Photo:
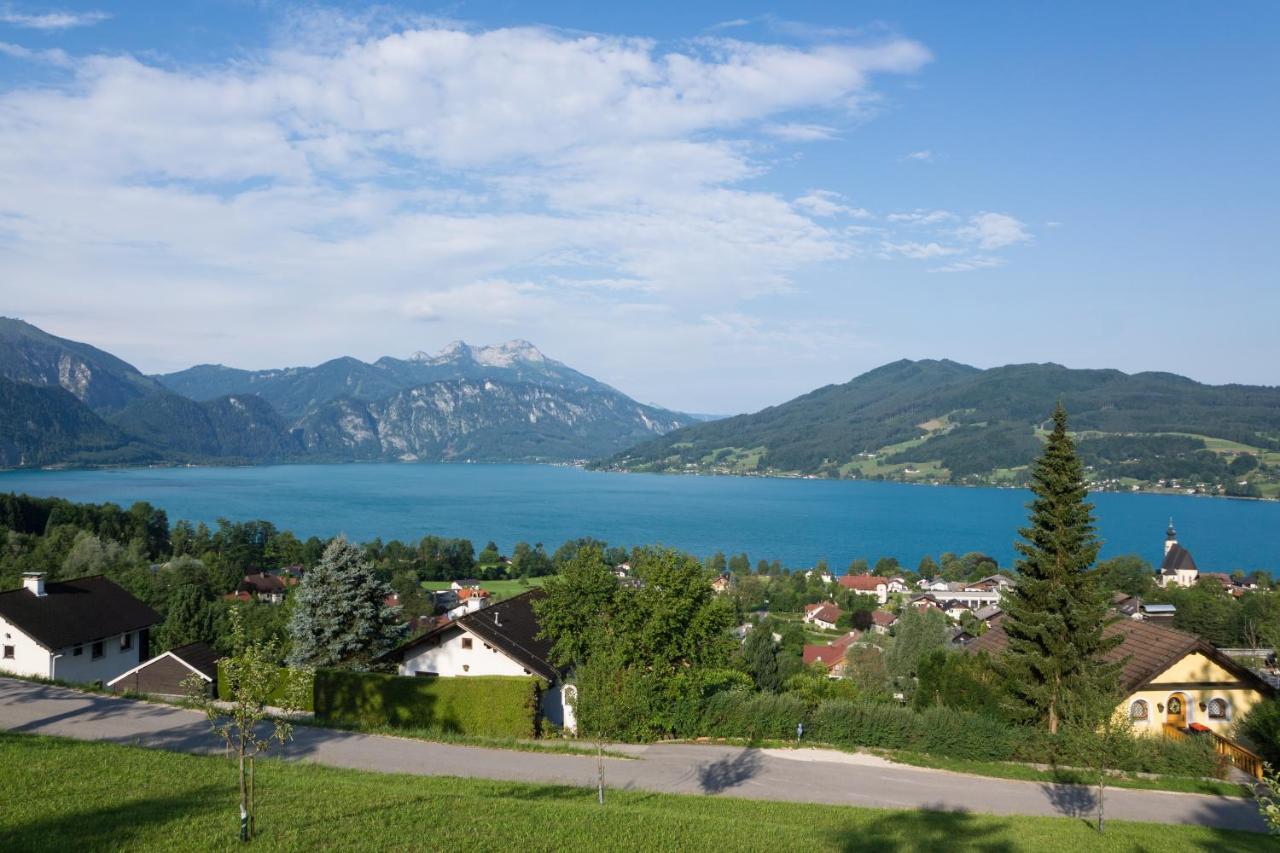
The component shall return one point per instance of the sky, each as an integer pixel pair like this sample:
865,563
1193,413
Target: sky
714,207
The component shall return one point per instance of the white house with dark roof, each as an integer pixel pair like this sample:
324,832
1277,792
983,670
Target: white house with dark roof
501,639
84,630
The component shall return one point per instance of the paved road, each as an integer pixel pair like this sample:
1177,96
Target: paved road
818,776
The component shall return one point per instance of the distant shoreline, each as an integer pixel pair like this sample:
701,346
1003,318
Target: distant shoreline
585,465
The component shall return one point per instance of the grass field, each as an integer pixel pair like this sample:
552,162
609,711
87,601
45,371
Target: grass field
67,795
500,590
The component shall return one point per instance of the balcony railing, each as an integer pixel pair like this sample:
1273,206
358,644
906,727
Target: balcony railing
1239,757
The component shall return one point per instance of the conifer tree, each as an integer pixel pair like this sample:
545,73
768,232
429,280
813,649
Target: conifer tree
340,617
1056,610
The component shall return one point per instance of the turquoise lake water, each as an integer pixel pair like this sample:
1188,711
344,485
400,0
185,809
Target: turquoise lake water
795,521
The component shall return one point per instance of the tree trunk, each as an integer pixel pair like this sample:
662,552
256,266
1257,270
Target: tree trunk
251,807
244,800
600,772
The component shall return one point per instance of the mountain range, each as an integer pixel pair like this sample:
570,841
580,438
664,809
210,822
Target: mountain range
933,421
66,402
944,422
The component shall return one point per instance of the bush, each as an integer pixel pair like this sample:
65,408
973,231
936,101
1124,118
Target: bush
489,706
1262,728
738,714
286,674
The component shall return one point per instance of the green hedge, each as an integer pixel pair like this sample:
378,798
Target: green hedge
937,731
224,692
490,706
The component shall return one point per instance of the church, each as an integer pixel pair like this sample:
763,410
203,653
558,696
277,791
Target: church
1177,568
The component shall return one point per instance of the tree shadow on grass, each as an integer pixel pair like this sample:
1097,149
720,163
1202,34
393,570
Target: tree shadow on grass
120,824
925,829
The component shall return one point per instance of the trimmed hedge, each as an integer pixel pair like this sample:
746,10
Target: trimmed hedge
224,692
489,706
937,731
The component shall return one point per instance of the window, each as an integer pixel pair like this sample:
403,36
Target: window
126,642
97,650
1217,709
77,651
8,652
1139,711
466,642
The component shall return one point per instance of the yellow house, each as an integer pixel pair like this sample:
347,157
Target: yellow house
1172,678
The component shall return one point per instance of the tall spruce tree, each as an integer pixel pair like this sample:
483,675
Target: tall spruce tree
1056,610
340,617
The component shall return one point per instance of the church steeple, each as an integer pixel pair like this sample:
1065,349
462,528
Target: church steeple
1170,537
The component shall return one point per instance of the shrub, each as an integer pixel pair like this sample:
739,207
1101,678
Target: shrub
1262,728
752,715
286,675
490,706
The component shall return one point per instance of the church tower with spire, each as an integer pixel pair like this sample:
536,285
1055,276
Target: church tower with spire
1177,568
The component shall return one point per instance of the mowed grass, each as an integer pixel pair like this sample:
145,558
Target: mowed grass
69,795
500,590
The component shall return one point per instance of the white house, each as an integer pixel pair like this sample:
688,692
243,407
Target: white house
85,630
875,585
470,599
501,639
822,615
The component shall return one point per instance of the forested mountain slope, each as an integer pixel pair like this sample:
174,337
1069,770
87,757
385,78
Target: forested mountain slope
940,421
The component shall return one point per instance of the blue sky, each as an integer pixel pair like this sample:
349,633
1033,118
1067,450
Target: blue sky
714,207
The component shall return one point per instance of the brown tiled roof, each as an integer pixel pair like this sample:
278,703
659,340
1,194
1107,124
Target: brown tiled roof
828,655
1147,650
883,618
262,583
824,612
865,583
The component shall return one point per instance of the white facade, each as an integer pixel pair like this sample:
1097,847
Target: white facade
458,653
92,662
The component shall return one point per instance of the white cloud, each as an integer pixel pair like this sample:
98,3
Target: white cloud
800,132
922,156
827,203
922,217
50,20
978,262
919,251
994,231
361,188
53,56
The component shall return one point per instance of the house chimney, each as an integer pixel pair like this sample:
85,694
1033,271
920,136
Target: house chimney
33,582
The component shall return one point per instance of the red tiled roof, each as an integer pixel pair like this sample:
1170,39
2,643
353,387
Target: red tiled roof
472,592
865,583
883,618
828,656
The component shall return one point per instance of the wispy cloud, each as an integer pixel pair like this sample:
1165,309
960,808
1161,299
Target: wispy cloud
50,20
994,231
924,156
970,264
52,56
827,203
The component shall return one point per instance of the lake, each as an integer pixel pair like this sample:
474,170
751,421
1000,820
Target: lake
795,521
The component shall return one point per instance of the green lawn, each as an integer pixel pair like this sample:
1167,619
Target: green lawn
1027,772
499,589
67,795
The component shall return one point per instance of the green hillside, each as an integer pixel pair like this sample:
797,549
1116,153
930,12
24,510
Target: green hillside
938,421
